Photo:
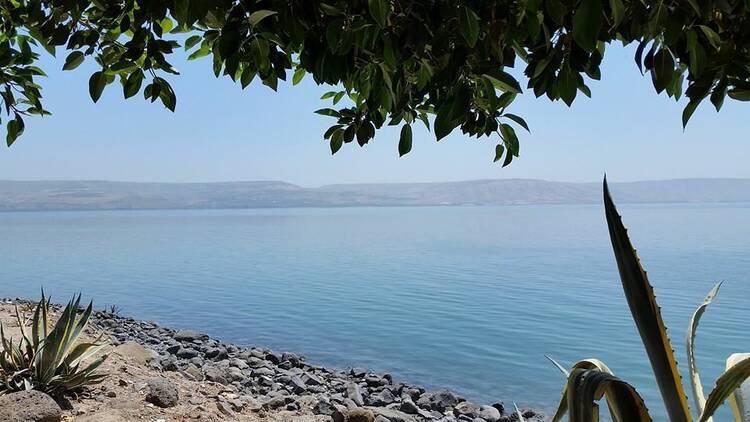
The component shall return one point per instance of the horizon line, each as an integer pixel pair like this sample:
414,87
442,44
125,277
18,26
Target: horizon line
511,179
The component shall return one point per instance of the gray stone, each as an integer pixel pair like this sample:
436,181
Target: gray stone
408,406
489,413
215,374
189,335
186,353
29,406
392,415
354,392
467,409
383,398
442,400
162,393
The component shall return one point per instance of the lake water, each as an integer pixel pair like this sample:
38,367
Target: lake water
469,298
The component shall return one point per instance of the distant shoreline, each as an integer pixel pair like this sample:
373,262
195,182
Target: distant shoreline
17,196
73,210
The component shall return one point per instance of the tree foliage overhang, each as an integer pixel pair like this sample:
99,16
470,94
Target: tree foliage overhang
397,61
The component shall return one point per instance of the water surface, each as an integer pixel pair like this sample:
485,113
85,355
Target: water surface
469,298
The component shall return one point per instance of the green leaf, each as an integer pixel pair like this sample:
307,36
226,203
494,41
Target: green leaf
689,110
712,36
567,84
133,83
248,74
14,129
663,71
379,10
97,82
337,140
696,54
509,135
166,25
73,60
646,315
518,119
618,11
259,15
328,112
338,97
299,73
499,150
739,94
404,143
468,25
192,41
587,22
443,124
504,81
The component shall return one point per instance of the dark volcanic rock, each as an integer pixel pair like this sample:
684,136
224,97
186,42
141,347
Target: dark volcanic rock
189,335
162,393
29,406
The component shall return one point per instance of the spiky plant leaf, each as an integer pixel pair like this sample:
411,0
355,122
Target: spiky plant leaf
647,316
727,383
518,413
740,399
695,379
620,406
586,387
558,366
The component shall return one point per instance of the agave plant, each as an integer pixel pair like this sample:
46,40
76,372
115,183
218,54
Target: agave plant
49,359
589,380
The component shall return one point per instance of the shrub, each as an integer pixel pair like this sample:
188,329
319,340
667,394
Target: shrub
49,360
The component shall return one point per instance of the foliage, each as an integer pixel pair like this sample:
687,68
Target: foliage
590,379
396,61
49,360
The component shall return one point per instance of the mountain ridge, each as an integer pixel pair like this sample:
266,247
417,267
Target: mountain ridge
101,195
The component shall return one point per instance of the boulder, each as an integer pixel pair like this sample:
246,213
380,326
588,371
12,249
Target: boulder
29,406
162,392
489,413
189,335
136,352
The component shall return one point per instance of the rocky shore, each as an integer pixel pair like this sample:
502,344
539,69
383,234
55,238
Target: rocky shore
264,382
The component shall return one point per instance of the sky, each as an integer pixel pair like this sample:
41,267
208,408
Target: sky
223,133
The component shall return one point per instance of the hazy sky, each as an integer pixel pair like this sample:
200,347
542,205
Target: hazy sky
222,133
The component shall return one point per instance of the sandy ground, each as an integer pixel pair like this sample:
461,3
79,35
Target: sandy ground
121,397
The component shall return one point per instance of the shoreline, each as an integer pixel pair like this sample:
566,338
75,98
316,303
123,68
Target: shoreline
285,380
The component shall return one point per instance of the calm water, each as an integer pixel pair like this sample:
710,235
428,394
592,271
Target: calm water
467,298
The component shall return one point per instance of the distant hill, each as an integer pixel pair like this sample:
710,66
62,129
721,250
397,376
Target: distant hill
77,195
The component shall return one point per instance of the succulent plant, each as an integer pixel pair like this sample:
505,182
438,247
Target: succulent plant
50,359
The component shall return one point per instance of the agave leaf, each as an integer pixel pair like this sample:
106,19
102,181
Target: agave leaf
695,379
587,386
518,412
647,317
81,352
729,381
740,399
562,408
558,366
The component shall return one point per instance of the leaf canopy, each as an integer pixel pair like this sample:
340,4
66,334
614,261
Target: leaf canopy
396,61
